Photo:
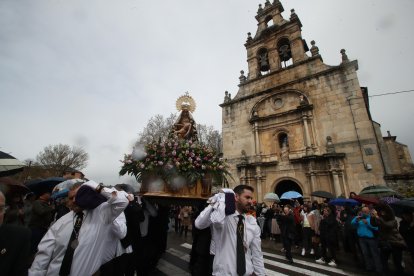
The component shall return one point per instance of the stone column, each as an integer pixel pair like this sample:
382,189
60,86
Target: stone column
337,185
259,191
243,176
313,181
274,60
346,190
306,129
256,138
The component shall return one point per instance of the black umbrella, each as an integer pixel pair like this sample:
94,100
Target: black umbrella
378,190
403,205
12,186
9,165
39,186
322,194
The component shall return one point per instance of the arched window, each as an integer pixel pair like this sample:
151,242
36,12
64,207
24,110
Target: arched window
283,140
263,57
285,54
269,21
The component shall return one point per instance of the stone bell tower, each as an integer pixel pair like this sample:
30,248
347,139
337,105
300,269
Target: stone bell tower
296,123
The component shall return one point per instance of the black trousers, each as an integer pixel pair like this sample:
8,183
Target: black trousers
385,253
287,245
329,246
307,234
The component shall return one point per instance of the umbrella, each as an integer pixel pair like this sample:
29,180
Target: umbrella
389,199
322,194
344,202
12,186
272,197
403,205
366,200
67,184
9,165
60,194
290,195
39,186
61,190
378,190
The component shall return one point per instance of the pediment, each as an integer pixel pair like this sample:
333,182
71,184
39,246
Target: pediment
280,102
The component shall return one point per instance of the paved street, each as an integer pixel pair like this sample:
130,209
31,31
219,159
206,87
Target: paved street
176,258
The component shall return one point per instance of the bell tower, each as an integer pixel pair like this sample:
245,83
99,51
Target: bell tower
295,122
277,43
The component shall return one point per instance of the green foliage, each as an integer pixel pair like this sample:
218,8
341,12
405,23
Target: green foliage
176,157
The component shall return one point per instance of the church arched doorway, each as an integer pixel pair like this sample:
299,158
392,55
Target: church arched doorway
286,186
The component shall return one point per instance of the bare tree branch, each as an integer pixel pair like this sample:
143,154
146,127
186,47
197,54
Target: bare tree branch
59,158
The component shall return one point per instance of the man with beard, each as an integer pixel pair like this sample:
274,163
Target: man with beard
236,237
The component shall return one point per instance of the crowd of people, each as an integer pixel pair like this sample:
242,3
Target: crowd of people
97,230
93,230
370,234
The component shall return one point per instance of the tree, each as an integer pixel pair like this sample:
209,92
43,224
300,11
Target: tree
159,127
59,158
210,137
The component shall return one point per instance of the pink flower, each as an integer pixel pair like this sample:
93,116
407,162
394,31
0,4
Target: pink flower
142,166
160,163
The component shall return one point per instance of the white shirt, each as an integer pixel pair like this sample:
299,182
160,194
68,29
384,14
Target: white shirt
97,226
149,211
225,240
305,219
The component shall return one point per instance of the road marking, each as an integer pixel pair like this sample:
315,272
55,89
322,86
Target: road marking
186,257
327,268
294,268
179,254
187,245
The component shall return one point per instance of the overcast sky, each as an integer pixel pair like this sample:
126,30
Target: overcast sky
91,73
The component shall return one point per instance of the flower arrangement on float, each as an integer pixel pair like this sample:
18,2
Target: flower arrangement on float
176,158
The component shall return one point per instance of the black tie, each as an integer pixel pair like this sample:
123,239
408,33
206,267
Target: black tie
70,249
241,258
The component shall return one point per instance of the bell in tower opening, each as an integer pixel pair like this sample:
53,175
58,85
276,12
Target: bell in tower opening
264,60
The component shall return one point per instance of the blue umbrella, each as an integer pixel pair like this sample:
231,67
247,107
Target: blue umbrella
344,202
39,186
290,195
67,184
60,194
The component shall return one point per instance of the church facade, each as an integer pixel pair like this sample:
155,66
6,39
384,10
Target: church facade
296,123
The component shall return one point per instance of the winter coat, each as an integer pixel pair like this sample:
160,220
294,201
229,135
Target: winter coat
287,226
328,229
407,231
388,232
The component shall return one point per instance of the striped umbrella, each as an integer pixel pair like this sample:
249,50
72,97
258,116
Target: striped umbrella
9,165
390,199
